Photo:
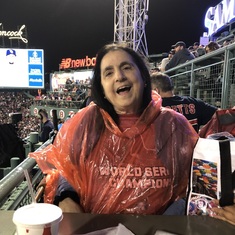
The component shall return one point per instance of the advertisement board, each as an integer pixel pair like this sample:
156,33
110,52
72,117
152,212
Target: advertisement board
21,68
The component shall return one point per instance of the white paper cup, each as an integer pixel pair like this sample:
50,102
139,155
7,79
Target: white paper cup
37,219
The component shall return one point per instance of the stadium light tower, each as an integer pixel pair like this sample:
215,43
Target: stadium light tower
130,18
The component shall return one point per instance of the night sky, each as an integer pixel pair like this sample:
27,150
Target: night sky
76,28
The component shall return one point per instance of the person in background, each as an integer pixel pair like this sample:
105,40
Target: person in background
201,50
46,125
55,82
211,46
195,110
166,60
69,84
182,55
124,153
88,98
193,52
60,123
195,46
227,42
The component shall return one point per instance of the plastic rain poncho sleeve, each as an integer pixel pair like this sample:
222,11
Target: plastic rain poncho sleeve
139,171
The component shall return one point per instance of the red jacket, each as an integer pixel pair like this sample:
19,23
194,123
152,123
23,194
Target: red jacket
222,121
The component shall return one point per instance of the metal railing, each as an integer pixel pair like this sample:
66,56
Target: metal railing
59,103
210,77
14,188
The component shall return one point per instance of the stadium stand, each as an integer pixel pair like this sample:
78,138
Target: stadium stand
193,78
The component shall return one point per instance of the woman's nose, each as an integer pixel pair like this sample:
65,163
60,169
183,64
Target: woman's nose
120,76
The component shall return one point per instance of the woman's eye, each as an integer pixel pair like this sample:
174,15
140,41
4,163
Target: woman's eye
127,67
108,73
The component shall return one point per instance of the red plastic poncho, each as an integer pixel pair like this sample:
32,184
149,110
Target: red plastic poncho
139,171
223,120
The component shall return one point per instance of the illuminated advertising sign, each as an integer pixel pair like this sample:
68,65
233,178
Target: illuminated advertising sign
21,68
14,34
69,63
218,16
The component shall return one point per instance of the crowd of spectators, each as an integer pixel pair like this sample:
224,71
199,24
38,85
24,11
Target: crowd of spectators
67,98
196,50
18,102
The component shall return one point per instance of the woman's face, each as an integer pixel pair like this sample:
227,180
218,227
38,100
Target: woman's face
122,82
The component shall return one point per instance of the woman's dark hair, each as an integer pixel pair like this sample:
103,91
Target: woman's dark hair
97,89
212,46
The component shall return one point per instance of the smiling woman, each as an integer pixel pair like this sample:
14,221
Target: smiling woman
123,153
124,78
122,82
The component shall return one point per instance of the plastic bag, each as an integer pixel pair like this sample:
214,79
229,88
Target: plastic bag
211,173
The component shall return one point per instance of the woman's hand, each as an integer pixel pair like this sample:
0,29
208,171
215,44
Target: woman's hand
42,183
226,213
68,205
40,189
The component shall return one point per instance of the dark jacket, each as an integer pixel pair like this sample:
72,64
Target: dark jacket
195,110
180,57
47,127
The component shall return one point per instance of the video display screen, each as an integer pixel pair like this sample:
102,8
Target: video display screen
58,79
21,68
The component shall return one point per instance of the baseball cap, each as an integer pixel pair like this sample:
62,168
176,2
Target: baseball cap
180,43
11,52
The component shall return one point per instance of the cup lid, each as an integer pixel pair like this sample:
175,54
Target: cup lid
37,214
